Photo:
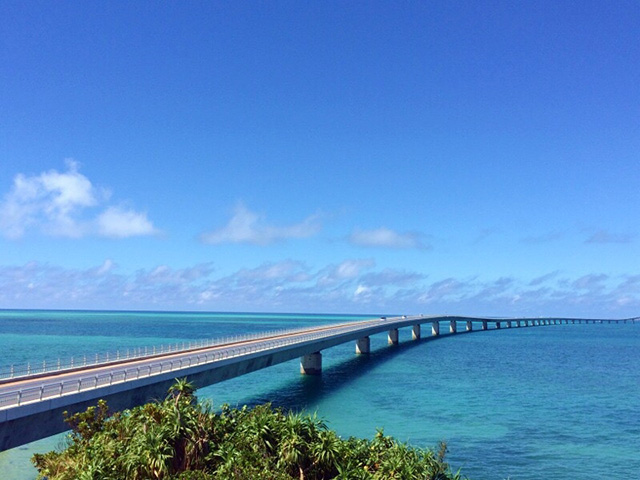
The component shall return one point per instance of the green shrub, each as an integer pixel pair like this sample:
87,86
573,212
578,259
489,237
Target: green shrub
180,439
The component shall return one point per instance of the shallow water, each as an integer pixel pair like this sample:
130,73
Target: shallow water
528,403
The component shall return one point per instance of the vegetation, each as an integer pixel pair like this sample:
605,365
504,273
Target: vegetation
181,439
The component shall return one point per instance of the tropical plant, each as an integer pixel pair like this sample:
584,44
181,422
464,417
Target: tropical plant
181,439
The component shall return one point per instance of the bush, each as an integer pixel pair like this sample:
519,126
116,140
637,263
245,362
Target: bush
180,439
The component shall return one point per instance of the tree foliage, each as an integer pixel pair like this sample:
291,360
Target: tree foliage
181,439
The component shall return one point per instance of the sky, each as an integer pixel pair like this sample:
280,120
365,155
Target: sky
477,158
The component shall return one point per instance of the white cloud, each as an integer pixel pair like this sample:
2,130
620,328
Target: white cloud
106,267
390,276
386,238
344,271
246,226
120,223
59,204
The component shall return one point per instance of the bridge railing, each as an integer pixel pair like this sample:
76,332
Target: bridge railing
119,375
52,365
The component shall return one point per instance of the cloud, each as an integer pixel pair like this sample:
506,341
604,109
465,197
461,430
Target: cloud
591,282
390,276
284,271
449,288
543,278
602,236
386,238
117,222
344,271
58,204
246,226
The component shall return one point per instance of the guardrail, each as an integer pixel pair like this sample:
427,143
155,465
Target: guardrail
38,368
91,382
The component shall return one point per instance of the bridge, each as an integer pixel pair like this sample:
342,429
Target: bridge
32,402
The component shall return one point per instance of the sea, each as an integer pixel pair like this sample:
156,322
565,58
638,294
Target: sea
552,402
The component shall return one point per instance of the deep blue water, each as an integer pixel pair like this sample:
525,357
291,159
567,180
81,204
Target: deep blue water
529,403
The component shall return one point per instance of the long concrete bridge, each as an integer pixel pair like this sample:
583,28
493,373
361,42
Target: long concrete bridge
31,405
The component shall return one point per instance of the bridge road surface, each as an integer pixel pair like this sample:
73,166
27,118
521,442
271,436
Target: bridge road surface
74,375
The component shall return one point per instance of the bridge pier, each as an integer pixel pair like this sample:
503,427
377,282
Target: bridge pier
508,324
453,326
469,326
517,323
484,325
311,364
392,338
415,332
435,329
498,325
363,345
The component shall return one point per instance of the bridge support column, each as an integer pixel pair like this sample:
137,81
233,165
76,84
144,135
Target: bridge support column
435,329
415,332
517,323
469,326
484,325
509,324
311,364
363,345
392,338
453,326
498,325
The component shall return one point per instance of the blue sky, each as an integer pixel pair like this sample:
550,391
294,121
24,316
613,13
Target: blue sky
366,157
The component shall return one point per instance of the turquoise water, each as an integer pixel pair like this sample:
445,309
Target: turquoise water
530,403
